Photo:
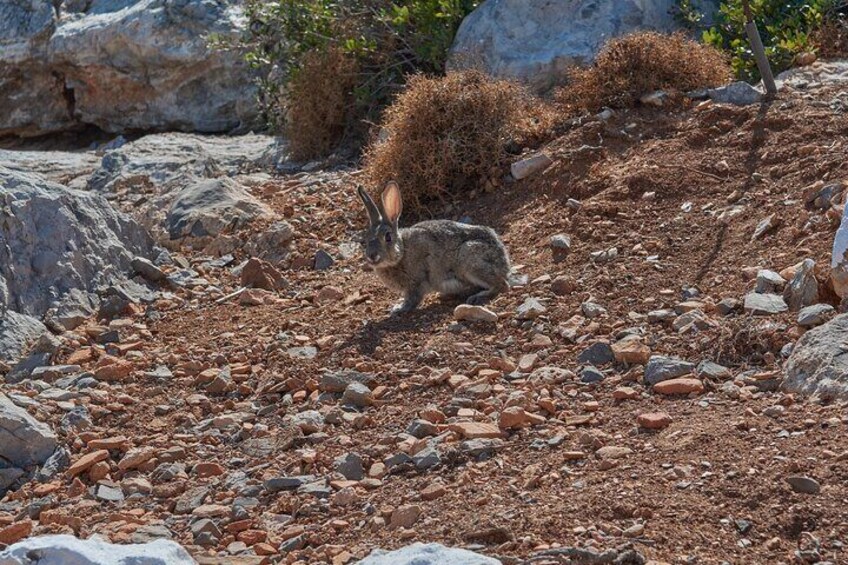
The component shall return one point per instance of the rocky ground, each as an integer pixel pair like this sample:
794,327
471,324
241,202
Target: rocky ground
628,397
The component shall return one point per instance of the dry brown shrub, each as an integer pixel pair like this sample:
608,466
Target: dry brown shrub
628,67
832,38
446,136
319,103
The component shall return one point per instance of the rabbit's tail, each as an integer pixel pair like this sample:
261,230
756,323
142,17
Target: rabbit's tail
516,279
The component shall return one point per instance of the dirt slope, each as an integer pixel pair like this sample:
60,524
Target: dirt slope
708,488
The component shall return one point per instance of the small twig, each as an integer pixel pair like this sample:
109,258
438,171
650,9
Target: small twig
231,295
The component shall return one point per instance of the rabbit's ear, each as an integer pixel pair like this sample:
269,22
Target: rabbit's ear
370,206
392,202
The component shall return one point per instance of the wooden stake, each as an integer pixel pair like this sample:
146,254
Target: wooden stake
758,49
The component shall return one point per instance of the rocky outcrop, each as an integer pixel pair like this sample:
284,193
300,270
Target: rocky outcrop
62,550
17,331
211,206
59,246
536,41
121,65
24,441
427,554
818,364
160,180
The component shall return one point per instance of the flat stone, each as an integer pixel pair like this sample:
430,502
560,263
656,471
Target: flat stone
803,485
815,315
470,313
476,430
764,304
679,386
654,420
278,484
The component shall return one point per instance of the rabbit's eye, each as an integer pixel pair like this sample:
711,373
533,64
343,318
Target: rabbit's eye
388,237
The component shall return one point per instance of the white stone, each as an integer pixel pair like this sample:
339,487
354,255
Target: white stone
426,554
68,550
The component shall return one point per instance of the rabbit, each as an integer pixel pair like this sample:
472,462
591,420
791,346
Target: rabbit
441,256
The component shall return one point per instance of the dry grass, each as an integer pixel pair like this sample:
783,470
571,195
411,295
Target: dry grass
631,66
444,137
319,105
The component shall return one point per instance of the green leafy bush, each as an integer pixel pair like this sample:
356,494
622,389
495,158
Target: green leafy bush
383,40
787,28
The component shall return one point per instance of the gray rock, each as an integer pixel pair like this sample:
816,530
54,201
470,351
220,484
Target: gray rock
661,369
108,492
323,260
803,289
422,428
305,352
309,421
738,93
660,316
530,309
148,270
764,304
592,310
561,242
818,364
210,206
62,68
318,489
64,550
538,41
357,394
530,166
481,449
191,499
713,370
205,526
161,166
398,460
803,485
76,420
293,544
17,331
39,357
24,441
728,306
599,353
60,246
590,375
769,282
550,375
350,466
277,484
427,458
55,464
8,478
272,244
338,381
427,554
814,315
